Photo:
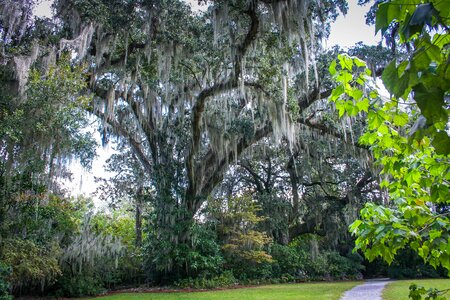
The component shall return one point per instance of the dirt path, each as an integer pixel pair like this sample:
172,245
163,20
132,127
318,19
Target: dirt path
369,290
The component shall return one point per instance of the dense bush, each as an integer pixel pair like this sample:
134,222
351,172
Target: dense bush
78,286
344,267
286,261
226,279
33,266
201,259
5,271
302,260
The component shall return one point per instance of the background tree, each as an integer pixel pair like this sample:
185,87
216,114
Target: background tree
129,186
165,77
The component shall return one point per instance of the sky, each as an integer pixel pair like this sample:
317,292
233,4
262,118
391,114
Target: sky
352,28
345,32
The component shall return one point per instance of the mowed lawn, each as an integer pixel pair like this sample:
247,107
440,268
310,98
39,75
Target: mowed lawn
399,290
328,290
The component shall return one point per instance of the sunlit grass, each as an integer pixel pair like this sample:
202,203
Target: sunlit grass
399,290
329,291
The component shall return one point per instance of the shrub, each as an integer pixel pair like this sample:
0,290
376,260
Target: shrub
5,271
32,265
226,279
79,286
286,261
341,267
201,258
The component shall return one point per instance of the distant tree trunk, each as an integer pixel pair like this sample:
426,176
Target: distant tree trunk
295,198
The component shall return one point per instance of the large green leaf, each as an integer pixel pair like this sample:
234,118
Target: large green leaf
381,20
441,143
408,30
394,84
431,102
443,8
422,15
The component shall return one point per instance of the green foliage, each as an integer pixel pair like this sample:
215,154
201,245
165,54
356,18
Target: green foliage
328,265
38,229
48,123
342,267
425,73
302,260
244,247
416,293
41,218
408,264
78,286
416,176
5,272
286,260
226,279
201,258
32,264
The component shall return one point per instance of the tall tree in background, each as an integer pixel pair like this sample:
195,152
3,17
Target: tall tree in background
189,92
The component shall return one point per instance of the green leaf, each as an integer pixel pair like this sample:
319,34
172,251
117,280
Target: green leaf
386,13
394,84
426,50
384,184
340,106
373,94
375,120
344,77
401,119
422,15
363,105
356,93
439,193
431,102
413,176
381,20
350,108
346,62
355,225
383,129
441,143
408,30
359,63
332,68
441,40
442,8
337,92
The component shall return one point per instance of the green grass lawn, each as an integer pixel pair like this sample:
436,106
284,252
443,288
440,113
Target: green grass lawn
400,289
300,291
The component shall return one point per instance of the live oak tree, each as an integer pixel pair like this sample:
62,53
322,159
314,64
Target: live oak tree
189,92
